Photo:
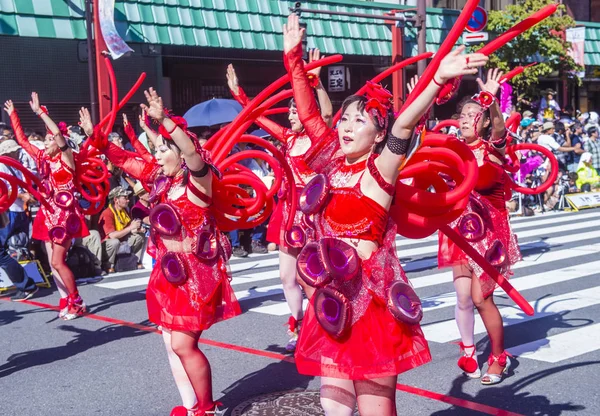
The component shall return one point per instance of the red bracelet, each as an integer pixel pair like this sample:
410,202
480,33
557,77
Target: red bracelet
174,128
437,83
43,110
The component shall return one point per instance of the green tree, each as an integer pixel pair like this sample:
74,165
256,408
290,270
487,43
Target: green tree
544,43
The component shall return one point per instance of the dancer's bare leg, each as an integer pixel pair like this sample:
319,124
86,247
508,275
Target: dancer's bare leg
196,365
376,397
338,397
182,381
62,289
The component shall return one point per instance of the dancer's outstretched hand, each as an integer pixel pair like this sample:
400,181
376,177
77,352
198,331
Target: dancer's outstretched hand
142,120
315,55
85,121
492,85
9,107
35,102
125,120
410,85
457,64
232,80
155,107
292,33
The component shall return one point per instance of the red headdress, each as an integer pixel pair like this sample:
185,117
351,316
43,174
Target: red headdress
378,103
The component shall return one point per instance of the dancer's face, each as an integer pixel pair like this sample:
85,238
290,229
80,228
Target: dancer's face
295,124
467,121
50,145
167,157
357,133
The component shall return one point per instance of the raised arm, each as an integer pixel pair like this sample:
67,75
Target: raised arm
135,142
66,151
455,64
200,172
322,96
23,141
274,129
308,111
150,133
492,85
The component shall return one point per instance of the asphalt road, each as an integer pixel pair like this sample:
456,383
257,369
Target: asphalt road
112,362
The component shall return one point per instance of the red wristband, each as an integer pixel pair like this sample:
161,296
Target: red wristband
437,83
174,128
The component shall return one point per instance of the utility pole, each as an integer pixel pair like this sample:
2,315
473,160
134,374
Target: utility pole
91,72
421,24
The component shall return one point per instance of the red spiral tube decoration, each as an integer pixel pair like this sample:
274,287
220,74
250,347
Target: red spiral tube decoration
9,195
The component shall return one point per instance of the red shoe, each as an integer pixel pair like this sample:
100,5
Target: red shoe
211,411
179,411
491,378
75,307
62,307
468,363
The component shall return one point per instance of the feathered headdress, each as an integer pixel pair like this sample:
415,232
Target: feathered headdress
378,103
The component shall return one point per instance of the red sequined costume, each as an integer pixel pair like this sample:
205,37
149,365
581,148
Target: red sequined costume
58,179
206,296
376,344
301,170
487,201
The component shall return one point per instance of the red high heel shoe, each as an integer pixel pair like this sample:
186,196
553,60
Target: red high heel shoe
468,362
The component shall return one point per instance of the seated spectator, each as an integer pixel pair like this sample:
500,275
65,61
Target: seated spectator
117,228
573,188
587,176
15,221
93,243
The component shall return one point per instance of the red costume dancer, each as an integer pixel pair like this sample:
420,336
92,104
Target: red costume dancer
361,327
56,166
485,225
189,288
295,144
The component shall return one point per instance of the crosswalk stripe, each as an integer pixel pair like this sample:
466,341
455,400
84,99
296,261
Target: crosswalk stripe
277,309
447,331
258,292
561,346
403,241
446,277
522,283
429,250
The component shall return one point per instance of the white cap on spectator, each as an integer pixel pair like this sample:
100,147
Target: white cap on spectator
8,146
547,126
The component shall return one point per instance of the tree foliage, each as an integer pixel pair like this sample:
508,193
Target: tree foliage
544,43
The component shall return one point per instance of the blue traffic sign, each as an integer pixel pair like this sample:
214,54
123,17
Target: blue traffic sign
478,20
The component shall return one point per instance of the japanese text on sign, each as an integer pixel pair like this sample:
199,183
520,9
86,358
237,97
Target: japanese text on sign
337,78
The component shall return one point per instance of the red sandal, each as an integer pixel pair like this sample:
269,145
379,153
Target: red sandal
468,362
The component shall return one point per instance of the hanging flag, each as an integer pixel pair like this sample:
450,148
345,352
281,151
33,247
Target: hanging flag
576,35
115,44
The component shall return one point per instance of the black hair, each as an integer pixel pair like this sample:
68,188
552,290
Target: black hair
360,103
559,126
487,131
173,146
592,130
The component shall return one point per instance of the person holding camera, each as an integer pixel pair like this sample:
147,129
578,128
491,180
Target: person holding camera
118,229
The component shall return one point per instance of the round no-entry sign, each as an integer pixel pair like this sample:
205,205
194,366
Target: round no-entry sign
478,20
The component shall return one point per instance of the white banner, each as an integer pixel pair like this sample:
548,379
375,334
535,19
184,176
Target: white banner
115,44
337,78
576,35
584,200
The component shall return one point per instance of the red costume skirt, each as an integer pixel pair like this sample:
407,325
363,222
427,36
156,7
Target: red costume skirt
43,220
278,221
378,346
497,228
195,305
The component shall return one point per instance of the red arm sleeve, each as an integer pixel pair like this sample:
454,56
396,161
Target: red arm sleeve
21,138
131,164
137,145
306,103
279,132
325,143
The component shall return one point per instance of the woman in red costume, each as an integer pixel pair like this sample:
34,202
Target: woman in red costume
189,287
359,333
56,167
485,225
295,145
